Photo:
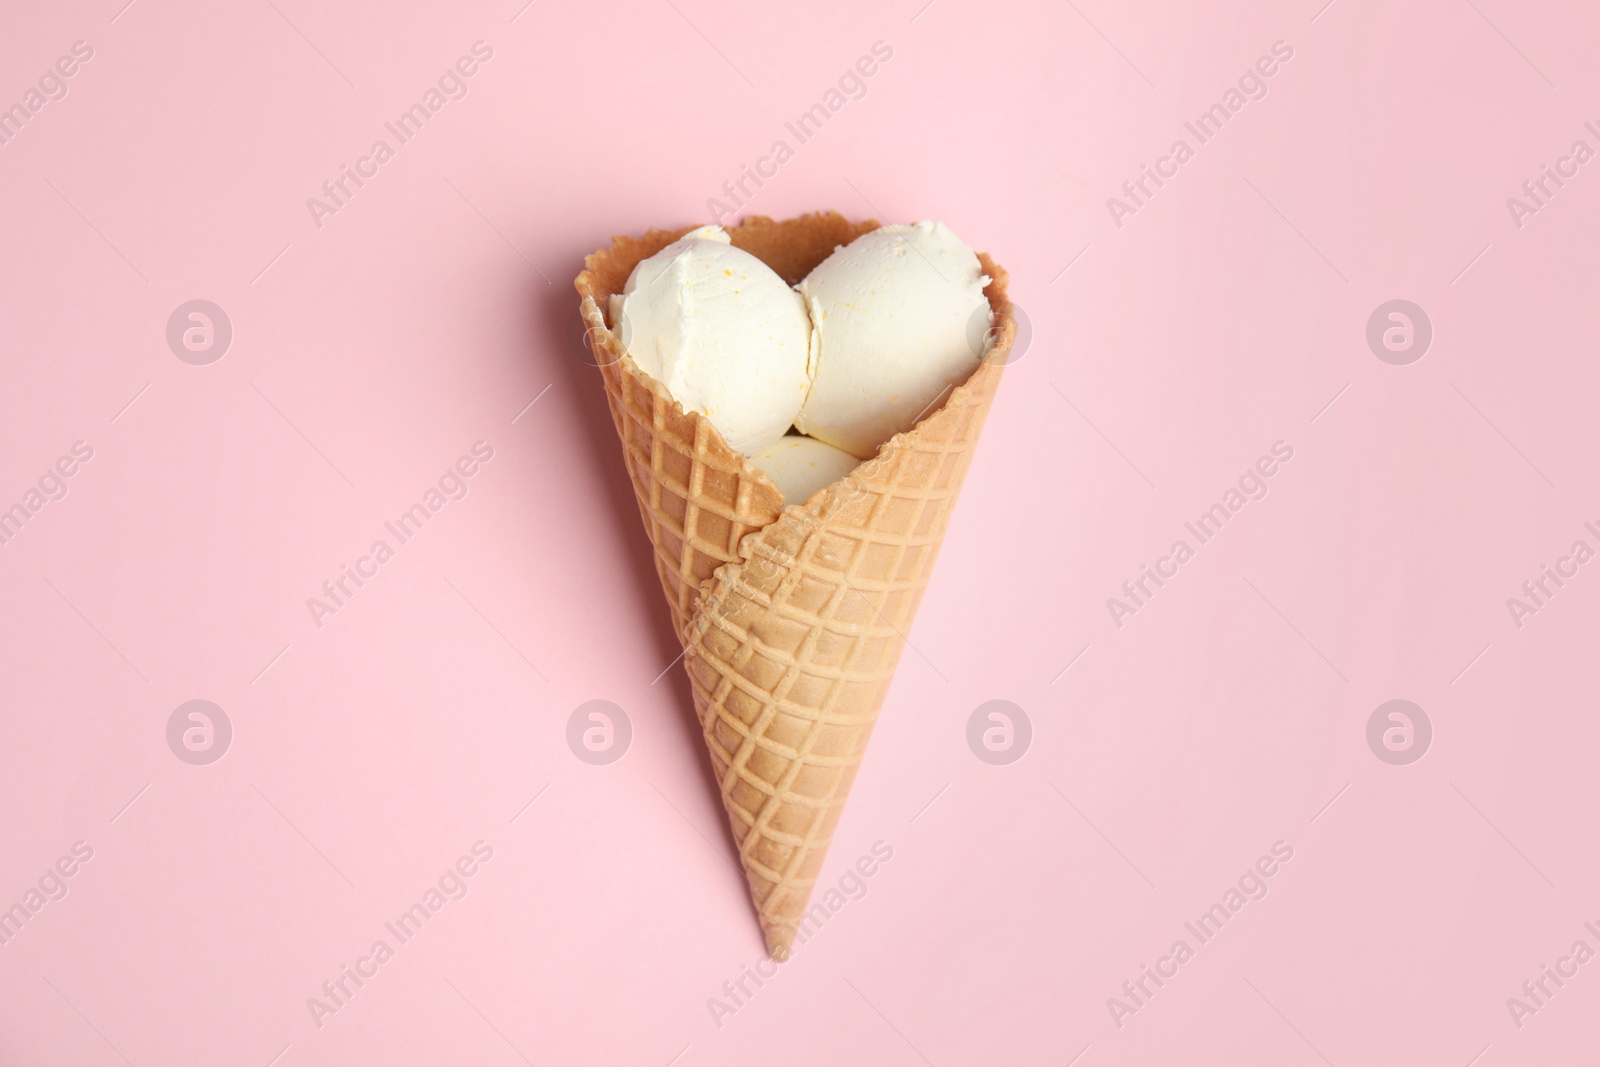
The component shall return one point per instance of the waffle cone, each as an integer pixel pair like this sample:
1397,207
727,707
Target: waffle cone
792,618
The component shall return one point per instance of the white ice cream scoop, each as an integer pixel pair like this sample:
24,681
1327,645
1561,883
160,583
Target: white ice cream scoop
725,335
802,465
891,316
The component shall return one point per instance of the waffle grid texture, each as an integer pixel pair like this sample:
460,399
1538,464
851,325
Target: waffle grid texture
793,619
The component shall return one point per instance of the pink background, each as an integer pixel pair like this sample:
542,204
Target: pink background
1168,354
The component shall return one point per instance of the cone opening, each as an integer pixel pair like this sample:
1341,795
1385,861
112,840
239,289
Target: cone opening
792,248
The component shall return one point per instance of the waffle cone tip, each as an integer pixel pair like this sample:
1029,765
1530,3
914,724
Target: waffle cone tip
779,941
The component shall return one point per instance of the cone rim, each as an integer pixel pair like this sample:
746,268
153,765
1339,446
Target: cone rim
604,343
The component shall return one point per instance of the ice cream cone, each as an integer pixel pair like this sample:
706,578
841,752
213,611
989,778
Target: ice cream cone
792,618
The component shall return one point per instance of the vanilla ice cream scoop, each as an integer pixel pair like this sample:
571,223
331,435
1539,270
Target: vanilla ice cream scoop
725,335
891,320
802,465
